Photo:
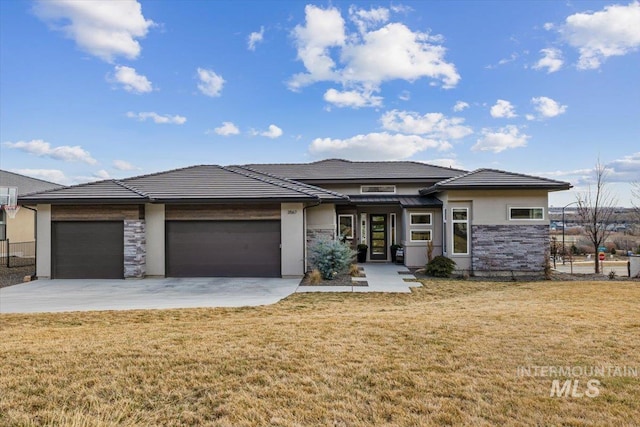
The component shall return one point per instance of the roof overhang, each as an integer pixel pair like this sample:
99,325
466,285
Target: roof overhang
402,201
438,189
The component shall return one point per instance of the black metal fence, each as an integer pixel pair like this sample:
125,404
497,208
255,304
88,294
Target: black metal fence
18,254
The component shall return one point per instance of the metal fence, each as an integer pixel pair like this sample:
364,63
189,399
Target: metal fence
18,254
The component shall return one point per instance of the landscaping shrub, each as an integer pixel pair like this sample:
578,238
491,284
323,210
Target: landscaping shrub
331,257
315,277
440,266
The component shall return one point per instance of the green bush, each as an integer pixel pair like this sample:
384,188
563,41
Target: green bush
440,266
331,257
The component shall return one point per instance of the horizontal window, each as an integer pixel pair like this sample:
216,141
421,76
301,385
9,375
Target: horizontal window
378,189
420,219
345,225
420,235
526,213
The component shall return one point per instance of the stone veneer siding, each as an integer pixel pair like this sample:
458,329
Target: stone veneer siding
509,248
316,234
135,251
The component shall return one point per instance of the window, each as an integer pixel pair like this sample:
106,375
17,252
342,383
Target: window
420,219
377,189
460,221
526,213
420,235
345,226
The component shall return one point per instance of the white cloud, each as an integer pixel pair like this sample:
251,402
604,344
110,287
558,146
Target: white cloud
210,83
227,128
40,148
102,174
547,107
446,163
51,175
433,125
365,19
626,169
131,80
369,56
255,38
273,132
324,29
104,28
613,31
551,60
375,146
123,165
505,138
352,98
503,109
157,118
405,95
460,105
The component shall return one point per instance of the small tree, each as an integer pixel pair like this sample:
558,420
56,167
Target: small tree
331,257
635,199
595,211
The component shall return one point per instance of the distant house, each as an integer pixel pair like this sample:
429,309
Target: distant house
260,220
13,185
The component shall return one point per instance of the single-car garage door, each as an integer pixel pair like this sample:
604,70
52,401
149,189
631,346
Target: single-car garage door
87,249
223,248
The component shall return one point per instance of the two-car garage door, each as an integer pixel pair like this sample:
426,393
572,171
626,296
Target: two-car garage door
95,249
223,248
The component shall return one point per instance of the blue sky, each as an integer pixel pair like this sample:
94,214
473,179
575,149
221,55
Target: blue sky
92,90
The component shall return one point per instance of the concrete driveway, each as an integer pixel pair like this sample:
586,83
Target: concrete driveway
88,295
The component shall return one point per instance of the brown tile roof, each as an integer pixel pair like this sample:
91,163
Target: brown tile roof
339,169
204,183
496,179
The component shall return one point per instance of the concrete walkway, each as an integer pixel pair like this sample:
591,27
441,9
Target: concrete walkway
89,295
383,277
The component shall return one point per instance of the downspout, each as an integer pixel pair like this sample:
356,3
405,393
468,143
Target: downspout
304,234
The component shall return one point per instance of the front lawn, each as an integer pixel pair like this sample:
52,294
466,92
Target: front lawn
450,353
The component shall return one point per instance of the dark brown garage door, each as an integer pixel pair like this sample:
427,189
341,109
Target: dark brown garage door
223,248
88,250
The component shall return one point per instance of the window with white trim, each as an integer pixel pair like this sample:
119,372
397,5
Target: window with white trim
517,213
345,226
420,235
460,223
377,189
420,219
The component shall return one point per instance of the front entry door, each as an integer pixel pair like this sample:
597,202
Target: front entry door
378,237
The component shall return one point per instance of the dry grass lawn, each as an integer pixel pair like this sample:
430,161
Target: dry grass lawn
447,354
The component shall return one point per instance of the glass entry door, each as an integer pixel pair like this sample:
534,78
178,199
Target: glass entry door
378,237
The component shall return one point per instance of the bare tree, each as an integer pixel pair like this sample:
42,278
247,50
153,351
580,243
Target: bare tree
635,199
595,211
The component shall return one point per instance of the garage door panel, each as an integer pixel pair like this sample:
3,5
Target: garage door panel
88,250
223,248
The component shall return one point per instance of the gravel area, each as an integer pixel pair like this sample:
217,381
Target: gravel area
340,280
14,275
